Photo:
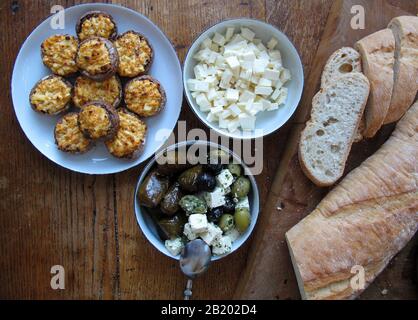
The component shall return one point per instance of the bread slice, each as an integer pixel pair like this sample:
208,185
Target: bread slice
405,30
327,138
377,56
363,222
342,61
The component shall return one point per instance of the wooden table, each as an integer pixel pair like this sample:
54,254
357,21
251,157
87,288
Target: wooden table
51,216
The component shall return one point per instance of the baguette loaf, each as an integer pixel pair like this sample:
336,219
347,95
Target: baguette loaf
364,221
405,30
377,56
327,138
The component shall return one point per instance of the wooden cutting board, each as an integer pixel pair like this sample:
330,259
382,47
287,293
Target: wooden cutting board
269,272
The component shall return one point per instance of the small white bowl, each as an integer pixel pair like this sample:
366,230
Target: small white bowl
268,121
148,226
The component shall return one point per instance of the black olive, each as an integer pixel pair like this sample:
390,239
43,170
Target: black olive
215,167
215,214
206,182
229,205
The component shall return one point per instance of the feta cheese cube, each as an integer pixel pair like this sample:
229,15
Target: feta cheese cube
272,43
261,47
285,75
213,55
220,102
212,235
187,231
216,198
263,55
225,178
283,96
255,79
233,234
264,91
256,107
197,85
259,66
232,95
212,94
214,47
233,125
222,246
271,74
247,65
248,56
223,123
246,96
246,74
225,79
216,111
233,62
276,56
235,110
212,81
198,223
225,114
203,102
211,117
247,34
266,104
174,246
265,82
247,122
206,43
220,61
200,72
229,33
219,39
274,106
243,203
236,39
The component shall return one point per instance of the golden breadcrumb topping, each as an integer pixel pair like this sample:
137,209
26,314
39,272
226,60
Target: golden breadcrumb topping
86,90
96,26
59,53
94,57
94,119
143,97
68,135
130,136
134,54
51,95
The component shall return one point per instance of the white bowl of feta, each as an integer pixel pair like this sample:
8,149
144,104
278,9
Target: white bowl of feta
172,247
243,78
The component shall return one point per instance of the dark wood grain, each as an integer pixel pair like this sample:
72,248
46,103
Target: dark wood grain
49,215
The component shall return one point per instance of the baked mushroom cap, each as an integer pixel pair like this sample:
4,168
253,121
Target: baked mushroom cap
86,90
97,58
135,54
145,96
96,24
130,137
59,53
51,95
98,120
68,135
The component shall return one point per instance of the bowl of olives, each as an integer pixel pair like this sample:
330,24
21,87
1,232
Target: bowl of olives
196,189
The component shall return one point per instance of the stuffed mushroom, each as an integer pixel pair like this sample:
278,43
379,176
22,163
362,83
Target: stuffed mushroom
51,95
144,96
97,58
58,54
108,91
130,137
96,24
68,135
97,120
135,54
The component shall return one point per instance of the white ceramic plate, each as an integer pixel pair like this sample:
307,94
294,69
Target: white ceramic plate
268,121
39,128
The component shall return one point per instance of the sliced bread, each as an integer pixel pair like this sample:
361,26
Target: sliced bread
377,56
405,30
327,138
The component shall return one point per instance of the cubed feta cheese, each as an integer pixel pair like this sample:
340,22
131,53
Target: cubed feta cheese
272,43
197,85
233,234
232,95
212,94
229,33
222,246
220,102
264,91
261,47
271,74
283,96
233,62
200,71
263,55
225,114
211,117
223,123
219,39
246,95
216,198
246,74
247,34
255,79
248,56
203,102
274,106
233,125
276,94
266,104
206,43
214,47
276,56
174,246
236,39
259,66
198,223
285,75
212,235
247,122
187,231
256,107
225,178
234,109
225,79
216,111
265,82
243,203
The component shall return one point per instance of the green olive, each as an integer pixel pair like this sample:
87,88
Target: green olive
242,219
241,187
192,204
235,169
226,223
188,179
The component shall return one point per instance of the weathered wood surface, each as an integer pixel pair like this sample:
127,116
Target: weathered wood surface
49,215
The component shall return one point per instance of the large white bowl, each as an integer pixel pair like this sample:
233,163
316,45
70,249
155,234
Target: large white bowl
148,226
269,121
39,128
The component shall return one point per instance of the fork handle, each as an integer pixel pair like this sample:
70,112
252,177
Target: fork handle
188,291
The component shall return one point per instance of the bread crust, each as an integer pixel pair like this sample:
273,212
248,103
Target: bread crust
113,60
405,88
64,81
377,51
147,66
364,221
113,120
143,113
91,14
